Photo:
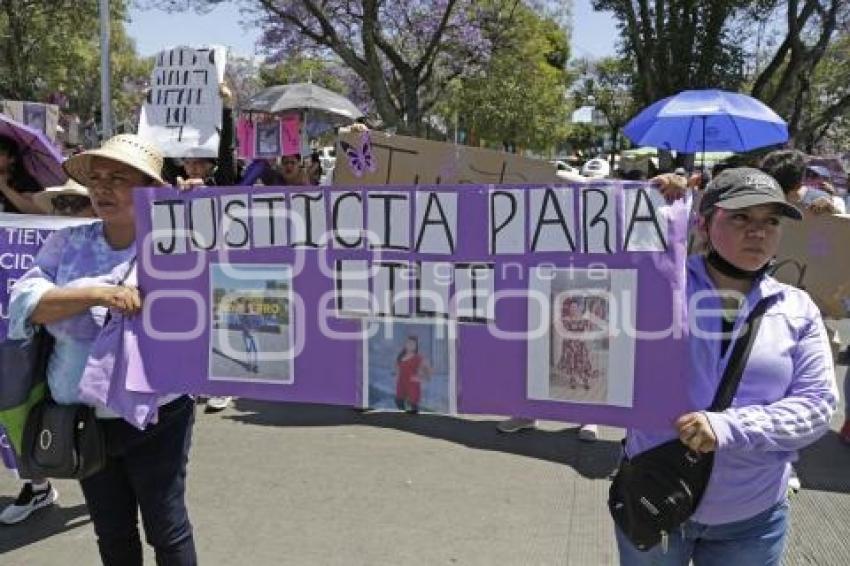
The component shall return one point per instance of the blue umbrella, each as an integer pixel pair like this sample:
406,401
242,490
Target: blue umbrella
713,120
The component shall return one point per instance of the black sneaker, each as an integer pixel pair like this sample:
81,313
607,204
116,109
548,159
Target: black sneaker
28,500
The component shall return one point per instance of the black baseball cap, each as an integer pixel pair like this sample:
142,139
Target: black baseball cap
742,187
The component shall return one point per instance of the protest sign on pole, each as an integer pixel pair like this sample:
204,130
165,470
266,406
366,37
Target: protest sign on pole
473,298
182,111
377,158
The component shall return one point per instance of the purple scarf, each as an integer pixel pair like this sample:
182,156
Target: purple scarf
114,361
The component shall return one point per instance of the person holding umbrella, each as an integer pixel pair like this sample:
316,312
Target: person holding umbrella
16,184
28,162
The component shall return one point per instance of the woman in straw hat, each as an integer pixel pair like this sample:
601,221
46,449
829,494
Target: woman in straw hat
70,289
71,199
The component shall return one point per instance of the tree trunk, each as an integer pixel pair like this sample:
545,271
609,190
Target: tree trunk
412,110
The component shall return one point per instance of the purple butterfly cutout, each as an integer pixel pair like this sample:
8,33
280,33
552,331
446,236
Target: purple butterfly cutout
360,159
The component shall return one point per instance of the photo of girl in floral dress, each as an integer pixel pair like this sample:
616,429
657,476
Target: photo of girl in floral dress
575,363
579,346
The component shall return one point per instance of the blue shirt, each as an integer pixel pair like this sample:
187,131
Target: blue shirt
78,256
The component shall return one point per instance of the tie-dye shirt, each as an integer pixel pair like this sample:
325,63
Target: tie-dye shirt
78,256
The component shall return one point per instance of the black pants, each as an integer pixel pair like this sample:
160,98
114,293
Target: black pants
145,471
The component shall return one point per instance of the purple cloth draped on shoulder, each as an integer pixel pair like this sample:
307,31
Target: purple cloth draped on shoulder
114,361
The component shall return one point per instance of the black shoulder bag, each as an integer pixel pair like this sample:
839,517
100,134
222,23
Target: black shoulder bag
64,441
658,490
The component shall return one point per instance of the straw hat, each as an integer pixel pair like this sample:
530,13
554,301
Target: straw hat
128,149
44,199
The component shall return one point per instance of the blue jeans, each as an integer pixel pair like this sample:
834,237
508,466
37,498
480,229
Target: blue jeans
145,471
757,541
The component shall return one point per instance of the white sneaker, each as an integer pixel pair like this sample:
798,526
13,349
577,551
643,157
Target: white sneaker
588,433
216,404
516,424
28,501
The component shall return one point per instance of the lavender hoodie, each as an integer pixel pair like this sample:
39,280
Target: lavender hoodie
784,402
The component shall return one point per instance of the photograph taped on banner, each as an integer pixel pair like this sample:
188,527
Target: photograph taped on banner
409,365
581,359
578,355
251,333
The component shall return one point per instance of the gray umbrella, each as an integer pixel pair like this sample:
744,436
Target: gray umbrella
303,96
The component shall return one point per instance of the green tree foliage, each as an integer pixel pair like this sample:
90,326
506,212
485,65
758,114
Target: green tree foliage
607,85
52,45
406,52
679,44
302,69
786,83
684,44
519,99
826,115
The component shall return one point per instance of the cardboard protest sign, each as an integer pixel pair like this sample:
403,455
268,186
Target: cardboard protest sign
36,115
366,295
269,138
182,112
810,257
21,236
377,158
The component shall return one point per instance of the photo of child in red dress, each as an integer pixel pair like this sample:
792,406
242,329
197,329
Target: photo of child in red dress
412,370
409,366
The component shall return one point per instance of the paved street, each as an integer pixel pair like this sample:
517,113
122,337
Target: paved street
281,484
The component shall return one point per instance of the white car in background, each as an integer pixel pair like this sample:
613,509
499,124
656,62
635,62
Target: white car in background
596,168
566,172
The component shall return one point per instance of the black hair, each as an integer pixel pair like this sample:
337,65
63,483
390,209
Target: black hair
19,178
415,340
786,166
730,162
634,175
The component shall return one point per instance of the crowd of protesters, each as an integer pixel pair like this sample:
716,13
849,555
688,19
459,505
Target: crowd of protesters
743,516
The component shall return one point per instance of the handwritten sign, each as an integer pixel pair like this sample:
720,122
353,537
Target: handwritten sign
383,159
182,112
810,257
314,294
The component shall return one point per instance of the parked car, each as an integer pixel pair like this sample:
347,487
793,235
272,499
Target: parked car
596,168
564,166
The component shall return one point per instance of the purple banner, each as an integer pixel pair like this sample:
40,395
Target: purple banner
557,302
21,237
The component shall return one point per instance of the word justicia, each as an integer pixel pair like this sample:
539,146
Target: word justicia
423,221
